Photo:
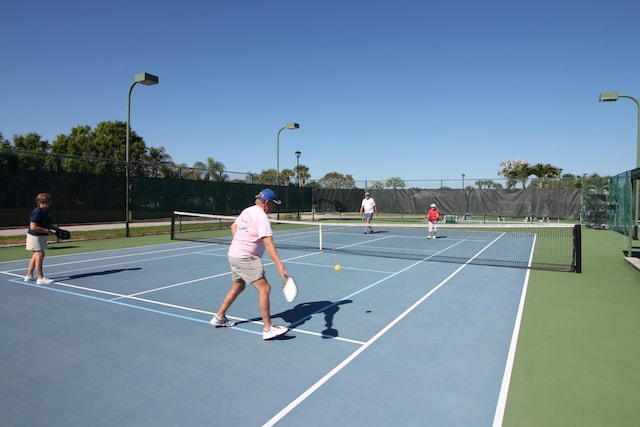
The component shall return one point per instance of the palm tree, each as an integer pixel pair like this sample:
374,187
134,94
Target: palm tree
395,182
544,171
520,173
212,170
286,176
158,162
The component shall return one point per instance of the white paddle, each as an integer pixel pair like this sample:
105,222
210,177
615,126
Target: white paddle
290,289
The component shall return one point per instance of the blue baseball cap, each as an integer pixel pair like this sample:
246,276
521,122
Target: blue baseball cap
268,194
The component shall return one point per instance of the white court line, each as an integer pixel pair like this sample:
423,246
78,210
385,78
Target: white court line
109,257
370,342
118,297
506,378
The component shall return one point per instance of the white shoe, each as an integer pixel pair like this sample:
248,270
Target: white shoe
29,278
222,323
44,281
274,332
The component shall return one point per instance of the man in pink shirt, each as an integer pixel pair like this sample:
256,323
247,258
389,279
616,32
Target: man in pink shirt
251,236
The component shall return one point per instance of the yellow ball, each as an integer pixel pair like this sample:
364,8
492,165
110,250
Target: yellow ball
337,267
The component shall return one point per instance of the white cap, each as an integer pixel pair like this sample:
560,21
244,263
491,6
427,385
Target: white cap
433,205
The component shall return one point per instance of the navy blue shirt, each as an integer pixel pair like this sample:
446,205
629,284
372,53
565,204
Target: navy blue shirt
41,217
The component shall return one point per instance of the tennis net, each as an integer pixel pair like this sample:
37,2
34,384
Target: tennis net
543,246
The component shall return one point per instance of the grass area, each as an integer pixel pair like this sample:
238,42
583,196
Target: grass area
97,234
576,362
11,253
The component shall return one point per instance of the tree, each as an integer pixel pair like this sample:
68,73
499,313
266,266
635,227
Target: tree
376,185
302,172
8,157
512,170
212,170
337,181
543,171
251,178
159,164
286,176
268,177
597,184
37,147
102,150
520,173
185,172
509,165
395,182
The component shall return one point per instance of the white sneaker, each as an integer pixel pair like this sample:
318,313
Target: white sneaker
222,323
44,281
274,332
29,278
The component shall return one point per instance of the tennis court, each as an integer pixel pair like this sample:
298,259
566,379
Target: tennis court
123,338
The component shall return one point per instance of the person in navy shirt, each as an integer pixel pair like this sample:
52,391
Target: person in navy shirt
37,235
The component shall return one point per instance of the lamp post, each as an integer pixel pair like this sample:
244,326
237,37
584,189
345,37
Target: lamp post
148,80
612,97
463,175
287,126
297,153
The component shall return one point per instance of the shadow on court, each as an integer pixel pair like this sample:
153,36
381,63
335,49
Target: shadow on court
99,273
298,315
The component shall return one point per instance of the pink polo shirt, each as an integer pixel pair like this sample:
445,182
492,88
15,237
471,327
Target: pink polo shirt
251,226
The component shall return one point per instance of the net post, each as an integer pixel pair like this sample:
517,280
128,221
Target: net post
173,225
577,248
320,236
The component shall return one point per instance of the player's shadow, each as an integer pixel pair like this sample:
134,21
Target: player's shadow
305,311
99,273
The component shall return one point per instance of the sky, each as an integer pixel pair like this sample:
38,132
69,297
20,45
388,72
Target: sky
415,89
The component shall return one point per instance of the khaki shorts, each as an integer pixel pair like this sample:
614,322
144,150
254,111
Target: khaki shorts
36,243
246,270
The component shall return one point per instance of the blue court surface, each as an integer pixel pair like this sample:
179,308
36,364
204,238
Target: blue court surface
122,338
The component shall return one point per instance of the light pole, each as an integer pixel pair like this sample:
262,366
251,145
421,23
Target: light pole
297,153
463,175
287,126
612,97
148,80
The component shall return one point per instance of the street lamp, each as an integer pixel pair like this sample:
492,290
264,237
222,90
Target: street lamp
297,153
612,97
287,126
463,175
148,80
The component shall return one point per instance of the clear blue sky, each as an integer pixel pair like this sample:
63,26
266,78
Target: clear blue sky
416,89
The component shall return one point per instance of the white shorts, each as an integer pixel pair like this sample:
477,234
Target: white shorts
36,243
433,226
246,270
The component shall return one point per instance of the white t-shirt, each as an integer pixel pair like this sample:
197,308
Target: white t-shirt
252,225
368,204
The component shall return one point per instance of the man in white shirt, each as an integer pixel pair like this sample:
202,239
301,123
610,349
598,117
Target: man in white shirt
368,208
